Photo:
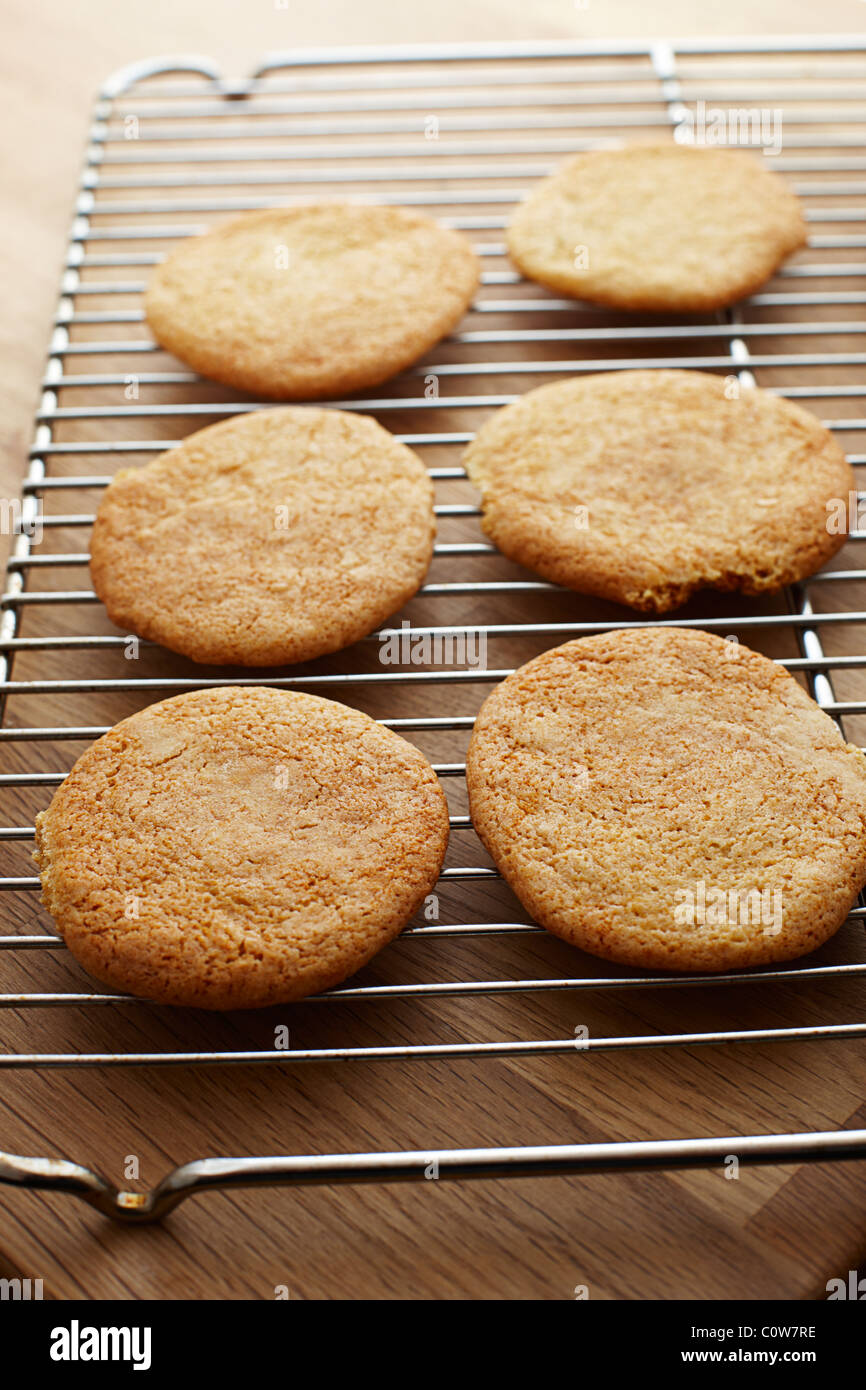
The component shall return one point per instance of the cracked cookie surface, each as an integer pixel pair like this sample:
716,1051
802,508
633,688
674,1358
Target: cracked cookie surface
645,486
638,789
274,537
239,847
314,301
659,227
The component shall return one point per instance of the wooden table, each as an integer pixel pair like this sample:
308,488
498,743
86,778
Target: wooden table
774,1232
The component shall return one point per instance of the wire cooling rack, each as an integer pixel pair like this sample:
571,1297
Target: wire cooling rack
460,131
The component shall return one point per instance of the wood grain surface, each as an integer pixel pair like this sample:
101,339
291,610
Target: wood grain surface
774,1232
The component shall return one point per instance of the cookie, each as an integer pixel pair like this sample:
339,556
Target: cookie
273,537
301,303
239,847
673,228
645,486
671,801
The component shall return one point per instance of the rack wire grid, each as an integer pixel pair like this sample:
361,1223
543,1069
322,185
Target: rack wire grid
461,131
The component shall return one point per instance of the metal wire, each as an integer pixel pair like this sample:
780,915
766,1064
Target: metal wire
322,120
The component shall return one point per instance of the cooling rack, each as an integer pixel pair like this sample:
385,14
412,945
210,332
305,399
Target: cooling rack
461,131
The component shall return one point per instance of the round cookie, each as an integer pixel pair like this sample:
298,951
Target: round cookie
669,800
673,228
304,302
645,486
239,847
273,537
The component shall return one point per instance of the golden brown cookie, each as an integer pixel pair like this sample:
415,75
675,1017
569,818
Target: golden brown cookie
239,847
273,537
644,486
304,302
669,800
674,228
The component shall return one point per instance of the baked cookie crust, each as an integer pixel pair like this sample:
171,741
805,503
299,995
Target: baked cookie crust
628,784
273,537
310,302
645,486
659,227
239,847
